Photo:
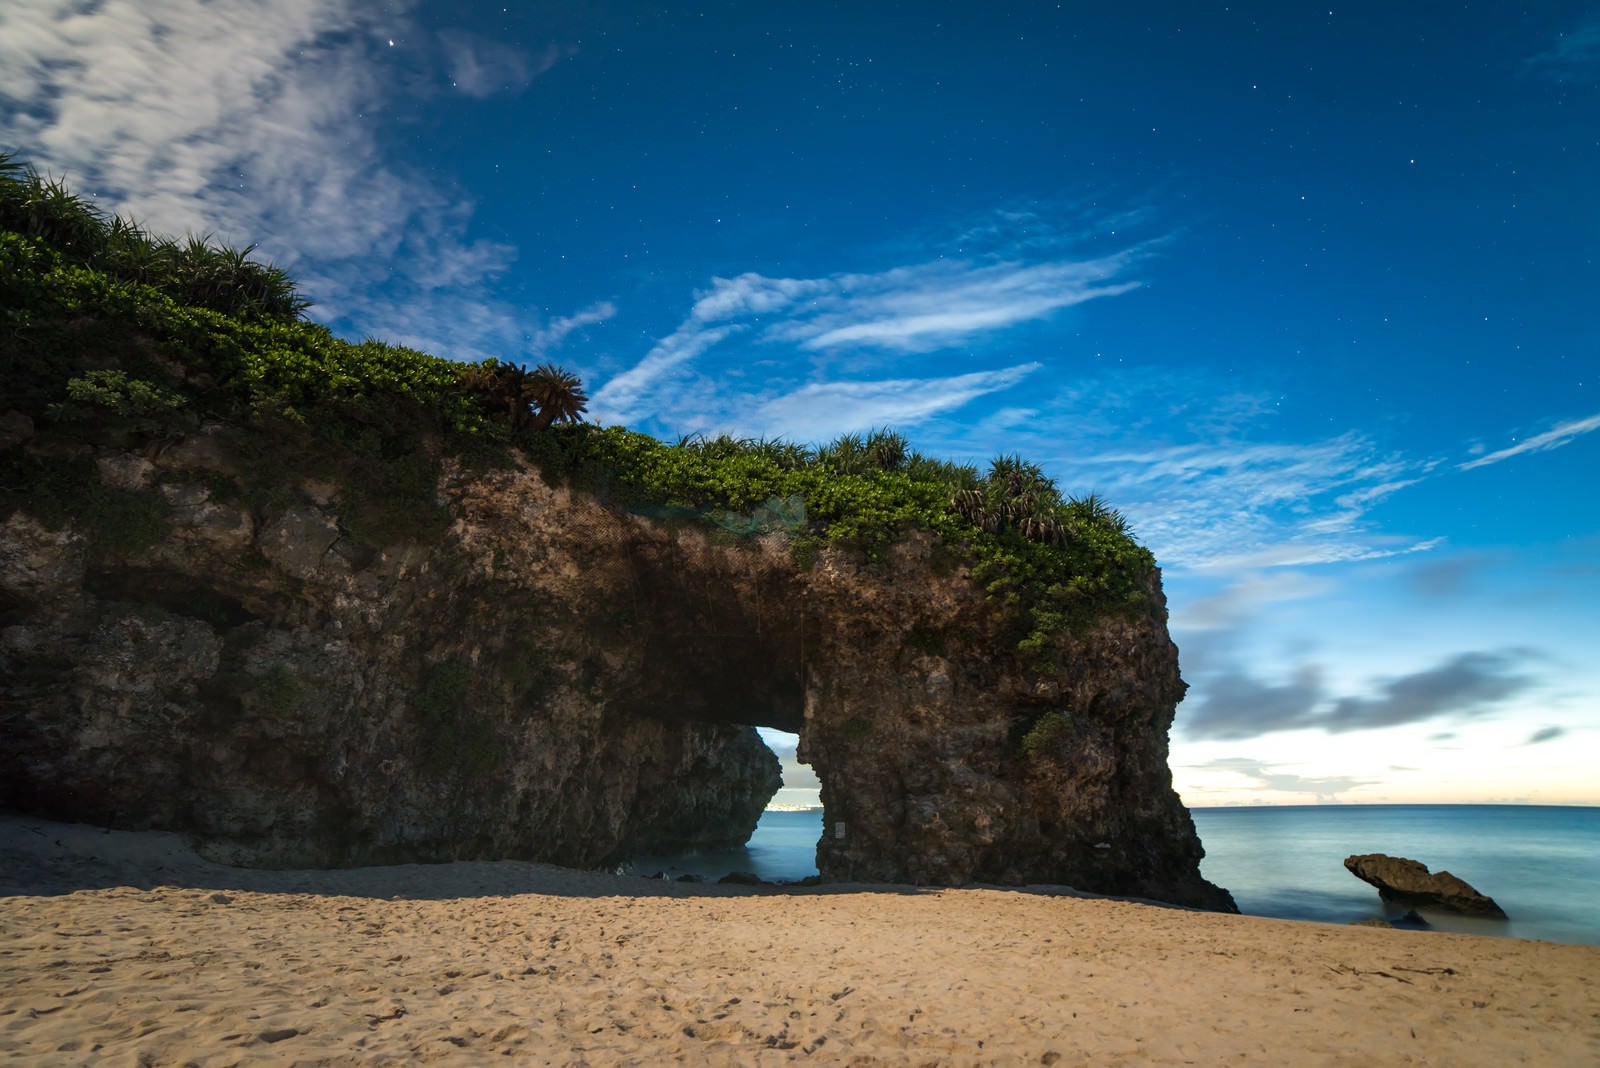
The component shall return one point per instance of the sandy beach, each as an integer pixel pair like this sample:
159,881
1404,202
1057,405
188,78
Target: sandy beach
127,948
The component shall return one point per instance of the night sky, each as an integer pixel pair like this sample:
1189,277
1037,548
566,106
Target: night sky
1309,292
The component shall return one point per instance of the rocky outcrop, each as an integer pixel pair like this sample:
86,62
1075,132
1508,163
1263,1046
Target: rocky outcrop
1409,882
555,679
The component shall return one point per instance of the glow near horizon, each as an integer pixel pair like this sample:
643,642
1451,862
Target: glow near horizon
1202,787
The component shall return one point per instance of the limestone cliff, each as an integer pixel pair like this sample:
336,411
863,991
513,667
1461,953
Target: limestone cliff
552,678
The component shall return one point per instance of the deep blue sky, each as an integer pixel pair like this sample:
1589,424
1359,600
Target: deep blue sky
1309,291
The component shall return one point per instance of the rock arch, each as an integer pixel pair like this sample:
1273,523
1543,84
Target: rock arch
560,680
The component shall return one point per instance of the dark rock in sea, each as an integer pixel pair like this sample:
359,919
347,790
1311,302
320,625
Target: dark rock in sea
1409,882
743,878
689,879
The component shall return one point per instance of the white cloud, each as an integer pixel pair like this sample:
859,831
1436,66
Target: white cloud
221,116
1244,506
1554,438
457,264
556,330
254,120
751,294
1305,552
1269,777
912,309
644,388
824,410
945,302
1355,505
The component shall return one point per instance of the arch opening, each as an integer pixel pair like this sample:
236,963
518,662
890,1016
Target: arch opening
783,846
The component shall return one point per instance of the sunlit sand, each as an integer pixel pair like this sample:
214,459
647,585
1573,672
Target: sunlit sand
127,948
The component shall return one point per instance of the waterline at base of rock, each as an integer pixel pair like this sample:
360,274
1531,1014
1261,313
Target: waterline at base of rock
782,850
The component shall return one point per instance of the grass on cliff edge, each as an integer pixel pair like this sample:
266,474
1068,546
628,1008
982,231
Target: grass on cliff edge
112,336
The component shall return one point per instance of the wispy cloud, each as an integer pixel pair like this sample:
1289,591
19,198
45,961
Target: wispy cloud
1109,405
824,410
941,303
482,67
917,308
254,120
1557,436
1250,505
1236,705
1240,599
1575,56
639,391
921,308
1353,506
1545,734
556,330
217,115
1325,789
1048,226
1204,466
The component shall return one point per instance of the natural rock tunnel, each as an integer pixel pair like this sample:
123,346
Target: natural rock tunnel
559,680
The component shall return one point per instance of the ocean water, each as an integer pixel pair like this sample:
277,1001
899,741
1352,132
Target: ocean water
1541,864
783,850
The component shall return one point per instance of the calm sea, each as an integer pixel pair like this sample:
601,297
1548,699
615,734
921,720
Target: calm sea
1541,864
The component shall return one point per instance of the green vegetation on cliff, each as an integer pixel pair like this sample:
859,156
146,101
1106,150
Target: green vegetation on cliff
110,336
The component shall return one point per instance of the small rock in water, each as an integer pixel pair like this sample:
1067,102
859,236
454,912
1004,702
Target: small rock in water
1409,882
743,878
690,879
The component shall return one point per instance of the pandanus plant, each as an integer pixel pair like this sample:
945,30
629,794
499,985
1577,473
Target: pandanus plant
229,280
195,272
43,207
537,398
853,454
1016,495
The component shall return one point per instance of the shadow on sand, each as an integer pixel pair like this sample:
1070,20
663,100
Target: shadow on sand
41,858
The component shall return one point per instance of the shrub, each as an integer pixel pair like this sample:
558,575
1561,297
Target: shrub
58,490
1046,735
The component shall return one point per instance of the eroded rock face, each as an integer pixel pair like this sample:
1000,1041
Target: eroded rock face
1409,882
922,750
553,679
